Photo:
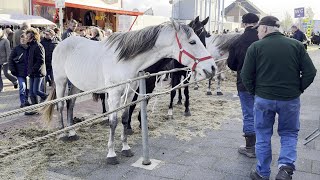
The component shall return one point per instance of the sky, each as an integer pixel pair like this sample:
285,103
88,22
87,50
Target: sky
272,7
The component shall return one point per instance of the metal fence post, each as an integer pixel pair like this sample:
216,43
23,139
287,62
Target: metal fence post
144,121
313,135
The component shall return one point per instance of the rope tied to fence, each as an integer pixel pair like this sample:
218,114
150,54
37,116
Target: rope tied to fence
90,121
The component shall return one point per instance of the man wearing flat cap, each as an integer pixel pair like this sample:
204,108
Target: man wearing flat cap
276,70
237,53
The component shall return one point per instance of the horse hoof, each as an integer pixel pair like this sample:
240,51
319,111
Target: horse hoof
112,160
179,103
127,153
187,113
219,93
129,131
69,138
196,88
209,93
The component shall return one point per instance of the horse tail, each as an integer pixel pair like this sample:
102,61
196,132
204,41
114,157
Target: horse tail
48,110
95,97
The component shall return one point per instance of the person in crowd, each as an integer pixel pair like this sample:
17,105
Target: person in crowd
83,33
18,65
4,57
96,34
73,24
299,35
49,43
57,37
276,70
36,65
237,53
18,32
9,34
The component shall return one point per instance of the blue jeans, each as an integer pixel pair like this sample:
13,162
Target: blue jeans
247,101
23,92
288,128
35,87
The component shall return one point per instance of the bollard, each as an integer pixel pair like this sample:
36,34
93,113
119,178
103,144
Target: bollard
144,121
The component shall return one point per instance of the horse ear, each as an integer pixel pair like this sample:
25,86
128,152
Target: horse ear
176,26
197,19
204,22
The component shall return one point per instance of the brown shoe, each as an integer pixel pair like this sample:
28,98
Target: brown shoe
249,149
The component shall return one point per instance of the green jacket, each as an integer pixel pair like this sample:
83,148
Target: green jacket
277,68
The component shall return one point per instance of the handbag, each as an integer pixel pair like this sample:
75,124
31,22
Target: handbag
17,59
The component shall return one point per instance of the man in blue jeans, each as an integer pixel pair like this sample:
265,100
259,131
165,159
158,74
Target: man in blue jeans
237,53
276,70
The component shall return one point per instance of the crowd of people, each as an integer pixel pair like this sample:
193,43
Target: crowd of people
27,52
272,72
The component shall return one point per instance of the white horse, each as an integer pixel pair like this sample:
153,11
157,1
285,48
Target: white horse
92,64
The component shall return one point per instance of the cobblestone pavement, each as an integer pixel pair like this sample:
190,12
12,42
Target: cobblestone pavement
212,157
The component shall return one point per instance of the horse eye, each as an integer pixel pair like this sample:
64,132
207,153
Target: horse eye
193,42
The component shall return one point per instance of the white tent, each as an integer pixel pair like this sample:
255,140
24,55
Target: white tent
18,19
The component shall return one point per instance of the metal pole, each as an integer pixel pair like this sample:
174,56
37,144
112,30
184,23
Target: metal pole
205,8
215,14
144,122
222,14
61,20
201,8
219,30
210,15
196,8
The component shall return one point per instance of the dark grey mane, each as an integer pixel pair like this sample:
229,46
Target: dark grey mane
134,43
223,41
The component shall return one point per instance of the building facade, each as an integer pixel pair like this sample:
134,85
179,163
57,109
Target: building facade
15,7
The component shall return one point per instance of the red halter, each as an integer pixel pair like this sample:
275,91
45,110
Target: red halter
196,60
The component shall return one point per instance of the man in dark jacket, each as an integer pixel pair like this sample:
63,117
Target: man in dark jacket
237,53
36,65
73,24
49,43
299,35
276,70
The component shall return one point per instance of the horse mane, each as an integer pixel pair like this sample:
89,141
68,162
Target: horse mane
133,43
224,41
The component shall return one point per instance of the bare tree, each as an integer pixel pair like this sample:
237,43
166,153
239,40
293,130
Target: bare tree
287,22
309,13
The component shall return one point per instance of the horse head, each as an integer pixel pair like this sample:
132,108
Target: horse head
190,51
199,28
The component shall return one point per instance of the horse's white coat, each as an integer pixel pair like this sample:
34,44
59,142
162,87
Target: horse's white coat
93,64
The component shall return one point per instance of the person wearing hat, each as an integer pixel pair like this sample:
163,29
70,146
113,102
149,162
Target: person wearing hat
237,53
276,70
49,42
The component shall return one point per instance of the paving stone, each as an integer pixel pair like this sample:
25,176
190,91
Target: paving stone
174,171
298,175
205,162
316,167
200,173
234,167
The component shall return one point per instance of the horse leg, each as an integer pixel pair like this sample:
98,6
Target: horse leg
70,105
219,93
103,102
179,97
126,151
131,109
114,103
209,88
60,84
186,103
175,82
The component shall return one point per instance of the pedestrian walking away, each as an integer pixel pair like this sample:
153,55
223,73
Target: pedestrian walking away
276,70
5,51
237,53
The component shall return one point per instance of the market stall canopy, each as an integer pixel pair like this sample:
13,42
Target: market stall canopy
18,19
95,5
